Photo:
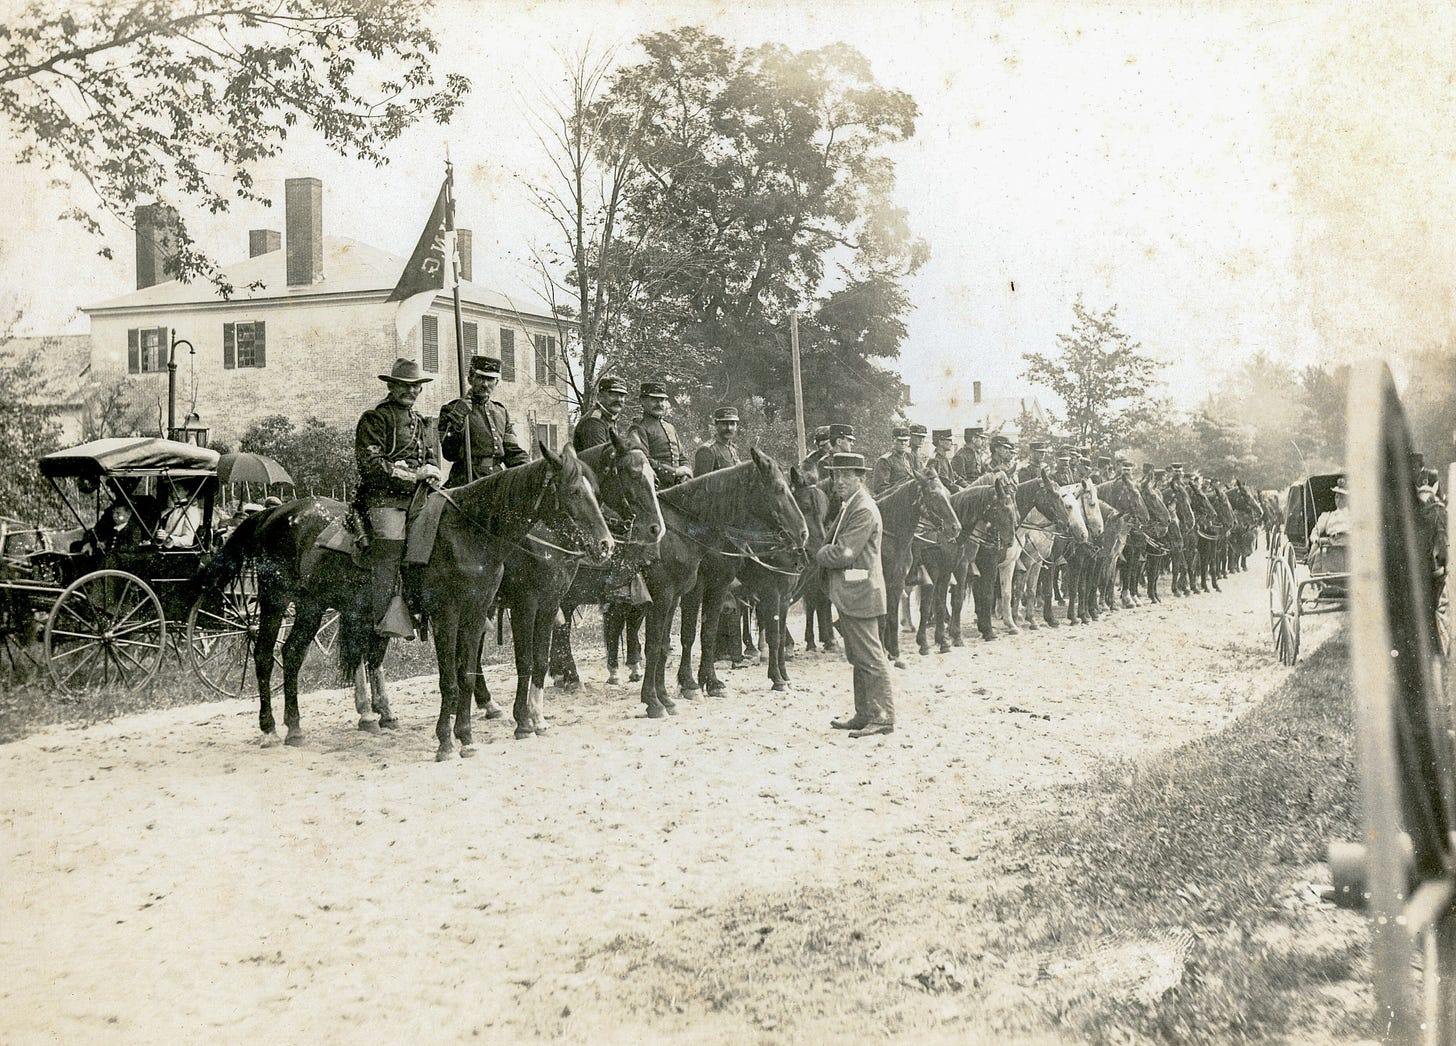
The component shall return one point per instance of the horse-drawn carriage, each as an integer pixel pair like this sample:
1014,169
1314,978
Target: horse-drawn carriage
101,603
1322,586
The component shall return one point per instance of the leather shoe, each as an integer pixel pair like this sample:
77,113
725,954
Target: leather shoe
853,723
872,729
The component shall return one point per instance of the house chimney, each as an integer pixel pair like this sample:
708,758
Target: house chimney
975,392
154,225
303,219
263,241
462,247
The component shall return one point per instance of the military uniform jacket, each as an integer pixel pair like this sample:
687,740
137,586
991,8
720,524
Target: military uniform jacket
593,430
891,469
1030,470
659,439
714,456
387,435
946,470
493,445
968,464
854,579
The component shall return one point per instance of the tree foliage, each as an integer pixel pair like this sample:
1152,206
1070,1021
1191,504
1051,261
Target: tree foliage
1101,375
178,100
319,456
32,430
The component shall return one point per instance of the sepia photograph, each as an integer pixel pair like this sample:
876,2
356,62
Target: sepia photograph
614,521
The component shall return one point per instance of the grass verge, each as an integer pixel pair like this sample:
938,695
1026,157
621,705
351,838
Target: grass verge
1204,854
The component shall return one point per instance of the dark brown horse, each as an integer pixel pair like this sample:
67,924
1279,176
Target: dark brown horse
987,513
540,572
743,509
1123,495
484,524
902,508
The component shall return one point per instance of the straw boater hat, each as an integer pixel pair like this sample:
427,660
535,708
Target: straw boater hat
405,372
1340,488
847,462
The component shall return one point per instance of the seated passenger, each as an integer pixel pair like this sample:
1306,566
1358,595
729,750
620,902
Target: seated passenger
181,520
1330,535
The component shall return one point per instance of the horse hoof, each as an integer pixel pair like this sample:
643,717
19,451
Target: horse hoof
653,712
1051,623
669,707
494,711
613,679
988,637
900,664
957,641
271,740
523,732
567,686
369,726
688,693
717,691
389,722
294,738
540,731
634,676
943,648
444,752
781,686
925,651
467,751
810,648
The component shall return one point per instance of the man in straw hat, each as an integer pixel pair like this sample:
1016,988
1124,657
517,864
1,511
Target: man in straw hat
393,449
856,586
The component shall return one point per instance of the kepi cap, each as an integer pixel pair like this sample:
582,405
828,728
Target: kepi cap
653,390
999,442
612,383
405,372
821,434
725,414
918,429
940,434
840,430
485,365
900,432
973,431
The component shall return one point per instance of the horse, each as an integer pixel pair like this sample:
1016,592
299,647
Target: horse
717,513
483,524
1041,542
987,513
1122,494
1038,494
1247,515
1159,537
1271,511
1082,555
540,571
770,583
902,507
1206,530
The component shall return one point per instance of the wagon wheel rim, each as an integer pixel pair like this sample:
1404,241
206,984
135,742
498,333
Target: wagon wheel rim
1406,760
106,630
222,639
1284,613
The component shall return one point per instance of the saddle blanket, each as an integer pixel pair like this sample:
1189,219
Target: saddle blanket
420,528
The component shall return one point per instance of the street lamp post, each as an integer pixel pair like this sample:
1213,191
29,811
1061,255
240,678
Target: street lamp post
172,382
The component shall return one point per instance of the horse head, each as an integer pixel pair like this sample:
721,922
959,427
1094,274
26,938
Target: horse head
813,503
1091,508
935,506
1072,506
776,506
1049,500
1003,514
567,494
630,490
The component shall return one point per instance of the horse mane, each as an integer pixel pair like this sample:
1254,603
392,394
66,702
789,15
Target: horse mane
972,502
716,496
516,489
897,502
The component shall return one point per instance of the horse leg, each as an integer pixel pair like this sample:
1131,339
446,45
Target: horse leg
714,590
523,635
468,661
927,614
379,694
693,603
1006,574
614,621
269,625
768,608
890,623
636,613
295,649
447,630
1029,593
567,679
536,672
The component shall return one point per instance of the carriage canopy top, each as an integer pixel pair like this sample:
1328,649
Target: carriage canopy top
130,455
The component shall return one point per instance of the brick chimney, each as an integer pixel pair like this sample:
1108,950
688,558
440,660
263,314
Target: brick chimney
975,392
303,221
154,225
463,241
263,241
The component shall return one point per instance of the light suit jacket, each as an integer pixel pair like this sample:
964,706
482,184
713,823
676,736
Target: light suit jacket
851,557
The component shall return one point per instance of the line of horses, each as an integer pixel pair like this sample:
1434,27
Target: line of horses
565,530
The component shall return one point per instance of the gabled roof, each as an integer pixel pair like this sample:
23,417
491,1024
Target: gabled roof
349,267
997,412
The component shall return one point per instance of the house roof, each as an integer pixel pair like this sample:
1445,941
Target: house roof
349,268
997,412
63,365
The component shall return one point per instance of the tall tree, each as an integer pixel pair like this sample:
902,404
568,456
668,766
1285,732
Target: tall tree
31,430
1101,375
764,189
178,100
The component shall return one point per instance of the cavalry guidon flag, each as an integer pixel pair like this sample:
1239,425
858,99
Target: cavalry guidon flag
432,268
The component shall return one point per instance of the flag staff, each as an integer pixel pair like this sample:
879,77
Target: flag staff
460,363
798,386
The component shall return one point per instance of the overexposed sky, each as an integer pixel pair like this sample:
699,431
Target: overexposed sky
1235,177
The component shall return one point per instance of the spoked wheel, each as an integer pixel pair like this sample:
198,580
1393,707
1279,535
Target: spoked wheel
1273,553
1407,762
1284,610
106,631
222,637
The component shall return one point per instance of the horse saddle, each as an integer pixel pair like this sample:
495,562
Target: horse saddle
340,536
347,536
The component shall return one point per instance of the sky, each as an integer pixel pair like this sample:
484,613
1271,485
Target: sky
1233,177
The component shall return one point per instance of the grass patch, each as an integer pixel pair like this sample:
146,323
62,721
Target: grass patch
1204,844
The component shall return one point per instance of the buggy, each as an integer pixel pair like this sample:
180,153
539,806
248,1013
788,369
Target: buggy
1322,586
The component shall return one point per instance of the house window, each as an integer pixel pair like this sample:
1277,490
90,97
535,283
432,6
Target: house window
430,343
472,340
545,359
547,434
508,354
244,345
146,349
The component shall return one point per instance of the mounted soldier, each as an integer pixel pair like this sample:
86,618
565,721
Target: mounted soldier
841,438
970,460
1032,469
940,463
721,453
918,432
812,467
894,466
393,450
1003,454
1063,475
597,427
494,445
657,436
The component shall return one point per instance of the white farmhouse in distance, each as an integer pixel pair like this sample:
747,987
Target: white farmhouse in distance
996,414
311,340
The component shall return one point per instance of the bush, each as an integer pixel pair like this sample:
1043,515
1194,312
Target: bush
319,456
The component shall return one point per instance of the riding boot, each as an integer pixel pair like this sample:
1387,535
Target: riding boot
384,562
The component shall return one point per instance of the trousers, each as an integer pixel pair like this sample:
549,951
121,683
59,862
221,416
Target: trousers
874,698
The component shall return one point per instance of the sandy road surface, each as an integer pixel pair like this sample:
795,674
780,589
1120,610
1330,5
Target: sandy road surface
164,876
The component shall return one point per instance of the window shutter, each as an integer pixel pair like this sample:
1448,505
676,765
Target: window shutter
551,360
133,351
472,340
164,348
538,342
508,354
229,346
259,356
430,343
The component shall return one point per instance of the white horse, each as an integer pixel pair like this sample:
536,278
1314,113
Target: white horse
1037,538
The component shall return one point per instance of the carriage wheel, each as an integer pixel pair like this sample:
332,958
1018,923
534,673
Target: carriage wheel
1284,611
1269,559
1406,759
327,637
106,631
222,636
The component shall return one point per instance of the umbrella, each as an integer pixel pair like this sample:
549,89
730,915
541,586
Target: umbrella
244,467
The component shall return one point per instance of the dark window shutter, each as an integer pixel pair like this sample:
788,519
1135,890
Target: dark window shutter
259,345
538,342
508,354
472,340
229,346
430,343
133,351
551,360
164,348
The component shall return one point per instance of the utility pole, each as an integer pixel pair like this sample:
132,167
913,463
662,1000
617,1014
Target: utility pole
798,385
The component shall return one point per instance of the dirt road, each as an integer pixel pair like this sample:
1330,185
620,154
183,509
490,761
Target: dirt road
167,877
